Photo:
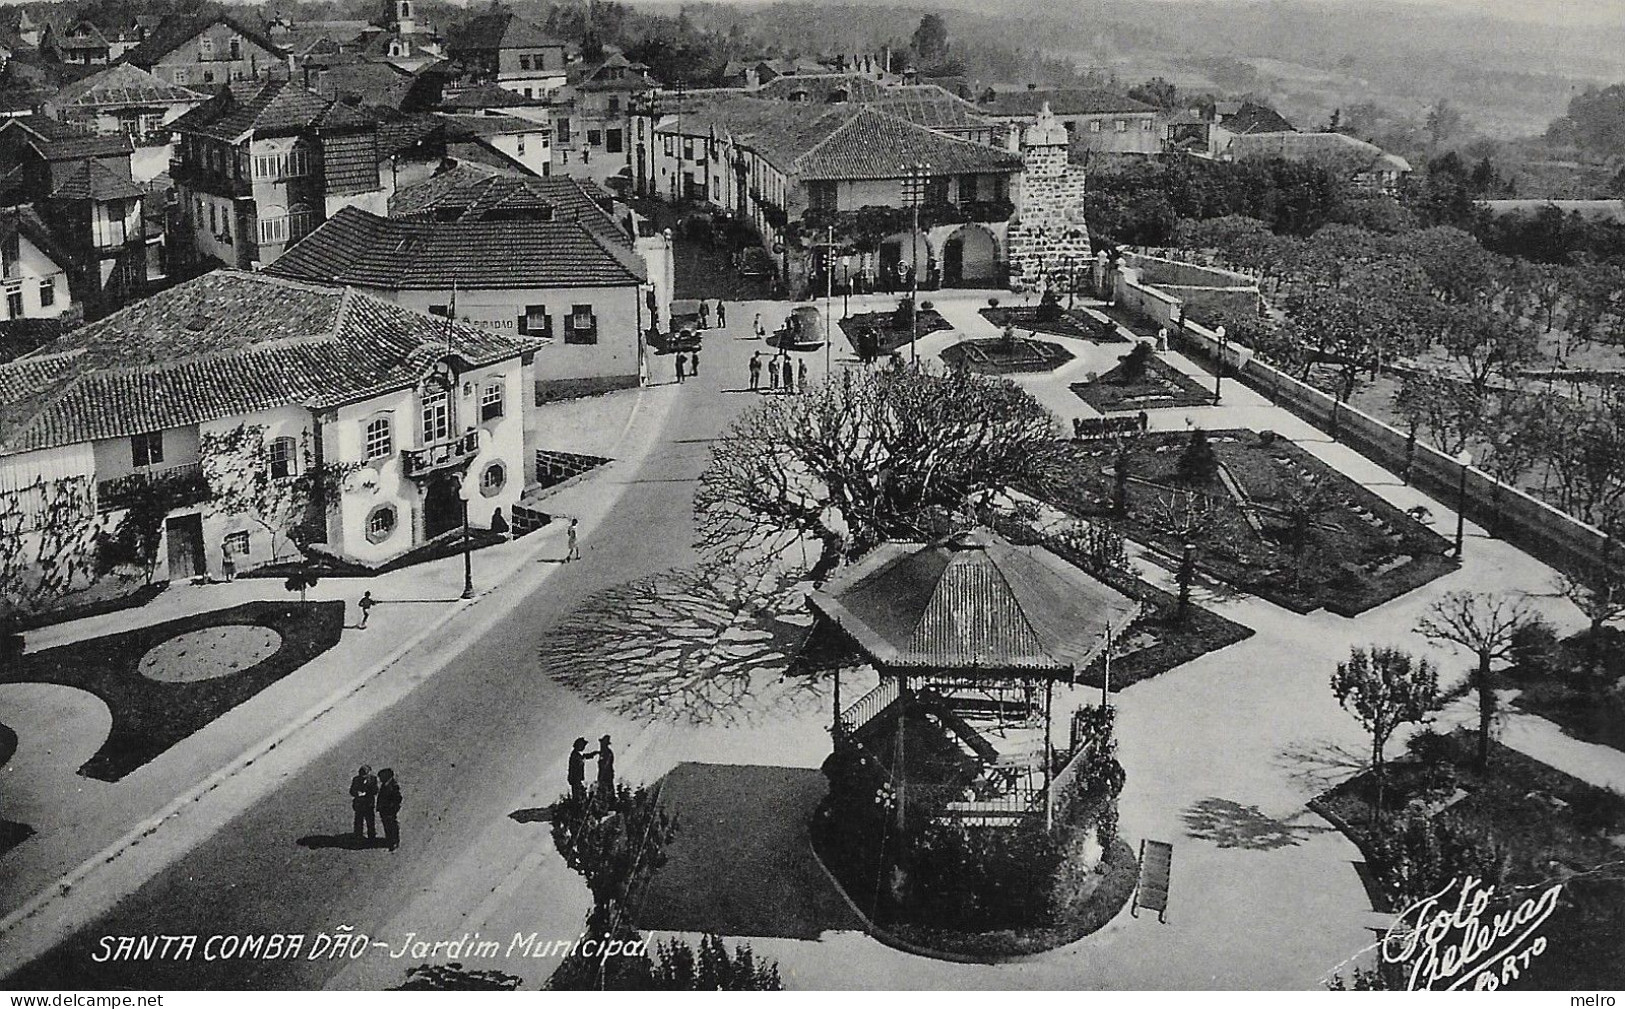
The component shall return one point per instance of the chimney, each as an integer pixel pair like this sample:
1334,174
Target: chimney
1032,87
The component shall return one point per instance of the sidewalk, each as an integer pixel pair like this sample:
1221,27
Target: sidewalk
97,841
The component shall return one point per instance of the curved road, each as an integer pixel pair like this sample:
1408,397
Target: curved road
486,728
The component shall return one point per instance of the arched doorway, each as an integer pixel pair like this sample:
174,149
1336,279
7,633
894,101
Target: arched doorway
970,258
896,258
442,505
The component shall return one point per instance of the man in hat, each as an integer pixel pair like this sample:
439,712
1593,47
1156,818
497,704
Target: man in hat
363,800
389,807
756,370
606,770
577,774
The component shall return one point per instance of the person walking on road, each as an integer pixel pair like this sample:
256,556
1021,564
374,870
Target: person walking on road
389,807
789,375
606,771
761,331
694,363
722,315
228,561
572,550
705,316
801,375
756,371
773,374
577,773
363,800
682,362
365,606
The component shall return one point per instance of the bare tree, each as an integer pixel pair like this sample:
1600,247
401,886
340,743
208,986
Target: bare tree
1484,623
1385,688
869,457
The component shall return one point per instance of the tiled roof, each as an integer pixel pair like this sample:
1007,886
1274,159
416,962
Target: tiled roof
877,145
931,106
275,107
223,345
59,141
123,84
361,249
499,31
973,602
1251,117
473,192
26,221
93,180
818,87
488,96
399,134
1062,102
492,125
175,30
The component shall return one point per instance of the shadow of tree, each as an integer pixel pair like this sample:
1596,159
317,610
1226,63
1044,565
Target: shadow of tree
1318,764
700,645
537,814
1230,824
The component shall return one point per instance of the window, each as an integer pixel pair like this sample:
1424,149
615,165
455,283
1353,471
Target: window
378,438
528,94
147,449
688,148
182,75
14,302
524,61
1094,126
491,402
214,222
612,141
595,138
583,326
669,145
47,292
492,479
10,252
1122,125
283,457
380,523
821,195
287,165
614,103
536,321
440,310
436,416
273,230
236,48
236,544
520,145
208,76
205,49
563,127
1146,126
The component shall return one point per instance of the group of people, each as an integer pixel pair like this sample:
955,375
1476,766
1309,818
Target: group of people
577,772
705,315
793,374
688,362
376,797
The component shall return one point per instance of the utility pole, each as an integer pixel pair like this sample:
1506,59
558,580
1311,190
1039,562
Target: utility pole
829,290
918,175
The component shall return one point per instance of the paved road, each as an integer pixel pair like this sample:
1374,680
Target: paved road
485,729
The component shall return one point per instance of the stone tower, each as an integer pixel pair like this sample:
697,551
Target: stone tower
403,22
1049,230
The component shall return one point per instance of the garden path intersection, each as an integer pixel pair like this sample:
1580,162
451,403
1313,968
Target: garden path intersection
1222,753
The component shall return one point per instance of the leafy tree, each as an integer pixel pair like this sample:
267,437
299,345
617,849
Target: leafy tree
678,968
1385,688
1485,345
1595,121
1448,412
301,582
1098,545
930,40
1197,465
1301,505
288,504
1483,623
867,458
1600,596
1156,91
1422,855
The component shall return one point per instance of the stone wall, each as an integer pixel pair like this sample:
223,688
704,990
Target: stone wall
1049,228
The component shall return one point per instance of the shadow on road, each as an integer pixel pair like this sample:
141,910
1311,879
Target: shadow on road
1319,764
1229,824
347,842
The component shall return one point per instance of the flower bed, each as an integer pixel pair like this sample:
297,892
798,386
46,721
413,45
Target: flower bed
1074,324
995,357
1160,385
929,321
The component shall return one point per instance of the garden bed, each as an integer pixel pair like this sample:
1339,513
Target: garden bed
995,357
1074,324
13,834
1160,386
151,716
1590,708
890,338
1359,553
1551,825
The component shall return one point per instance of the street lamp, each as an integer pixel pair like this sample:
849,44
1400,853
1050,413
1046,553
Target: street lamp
918,176
463,493
1464,459
1218,375
846,286
829,289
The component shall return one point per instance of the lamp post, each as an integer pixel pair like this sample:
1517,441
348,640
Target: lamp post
829,289
918,174
846,286
468,552
1218,373
1464,459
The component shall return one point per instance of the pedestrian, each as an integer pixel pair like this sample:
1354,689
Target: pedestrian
577,773
572,548
363,800
694,363
789,375
365,606
773,374
756,371
722,315
761,331
228,561
606,771
705,316
801,375
389,807
682,361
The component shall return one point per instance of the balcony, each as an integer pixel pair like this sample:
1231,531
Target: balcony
455,453
174,486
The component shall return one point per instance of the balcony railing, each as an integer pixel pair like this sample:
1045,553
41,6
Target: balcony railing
443,455
175,486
